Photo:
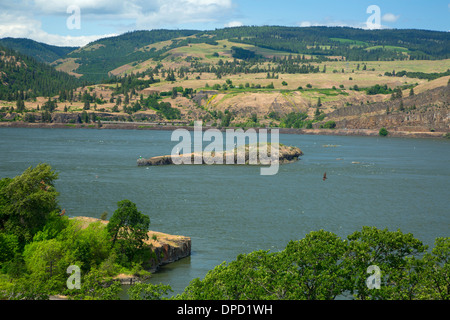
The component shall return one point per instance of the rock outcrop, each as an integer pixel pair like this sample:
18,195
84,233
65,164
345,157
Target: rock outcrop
165,248
424,112
245,155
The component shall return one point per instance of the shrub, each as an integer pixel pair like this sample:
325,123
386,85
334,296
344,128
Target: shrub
383,132
329,125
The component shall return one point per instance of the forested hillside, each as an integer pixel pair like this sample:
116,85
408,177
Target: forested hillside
353,44
100,57
40,51
22,77
97,60
318,43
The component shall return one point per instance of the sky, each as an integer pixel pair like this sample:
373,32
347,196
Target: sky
78,22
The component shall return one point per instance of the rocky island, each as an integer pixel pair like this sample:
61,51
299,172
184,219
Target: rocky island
240,155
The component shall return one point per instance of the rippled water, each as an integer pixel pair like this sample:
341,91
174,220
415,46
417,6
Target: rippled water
226,210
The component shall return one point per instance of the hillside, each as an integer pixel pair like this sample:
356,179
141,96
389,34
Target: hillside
24,78
247,77
39,51
143,49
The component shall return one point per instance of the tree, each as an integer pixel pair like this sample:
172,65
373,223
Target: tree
390,251
20,105
27,201
314,267
383,132
148,291
128,228
329,125
437,272
96,285
324,266
311,268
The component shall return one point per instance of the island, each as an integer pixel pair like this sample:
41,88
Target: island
286,154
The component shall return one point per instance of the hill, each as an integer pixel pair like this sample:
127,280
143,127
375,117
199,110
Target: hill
247,77
40,51
22,78
143,49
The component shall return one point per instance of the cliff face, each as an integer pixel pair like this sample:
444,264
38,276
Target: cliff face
424,112
167,249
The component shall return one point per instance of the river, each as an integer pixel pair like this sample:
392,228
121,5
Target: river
393,183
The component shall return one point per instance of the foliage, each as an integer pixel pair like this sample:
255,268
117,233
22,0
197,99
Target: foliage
420,75
323,266
377,89
38,242
148,291
294,120
383,132
24,78
96,285
27,201
40,51
128,228
391,251
163,108
329,125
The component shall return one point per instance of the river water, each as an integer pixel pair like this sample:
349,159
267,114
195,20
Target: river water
392,183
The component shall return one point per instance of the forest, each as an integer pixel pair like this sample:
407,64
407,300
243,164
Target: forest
22,77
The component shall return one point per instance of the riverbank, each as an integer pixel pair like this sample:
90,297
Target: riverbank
170,127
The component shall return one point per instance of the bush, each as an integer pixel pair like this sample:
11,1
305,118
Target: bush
329,125
383,132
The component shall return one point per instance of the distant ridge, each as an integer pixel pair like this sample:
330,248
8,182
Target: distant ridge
98,59
40,51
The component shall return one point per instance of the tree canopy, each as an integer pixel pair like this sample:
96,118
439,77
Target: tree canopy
323,266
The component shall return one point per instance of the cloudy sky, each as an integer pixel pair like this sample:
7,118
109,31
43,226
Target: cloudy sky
57,22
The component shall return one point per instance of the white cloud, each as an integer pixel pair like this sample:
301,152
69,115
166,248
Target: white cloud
26,27
330,23
233,24
21,19
305,24
390,17
176,12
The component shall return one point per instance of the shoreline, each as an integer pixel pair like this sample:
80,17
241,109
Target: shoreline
169,127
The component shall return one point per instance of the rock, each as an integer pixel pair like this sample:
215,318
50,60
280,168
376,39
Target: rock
165,248
287,154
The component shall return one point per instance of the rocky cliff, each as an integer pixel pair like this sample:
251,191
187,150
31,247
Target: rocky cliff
424,112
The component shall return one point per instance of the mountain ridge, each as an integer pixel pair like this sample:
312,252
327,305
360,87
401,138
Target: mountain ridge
96,60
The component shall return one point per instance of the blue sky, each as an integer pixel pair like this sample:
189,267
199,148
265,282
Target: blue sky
46,20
